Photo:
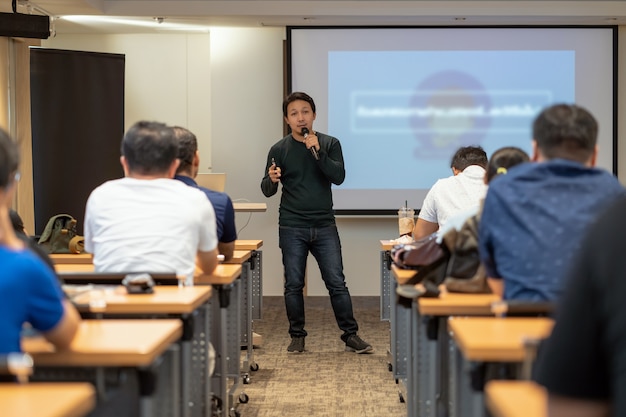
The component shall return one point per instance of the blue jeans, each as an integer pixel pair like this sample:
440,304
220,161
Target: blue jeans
324,245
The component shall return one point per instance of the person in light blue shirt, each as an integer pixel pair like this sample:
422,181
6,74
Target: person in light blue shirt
534,217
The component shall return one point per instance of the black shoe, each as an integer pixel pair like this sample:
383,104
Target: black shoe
296,345
355,344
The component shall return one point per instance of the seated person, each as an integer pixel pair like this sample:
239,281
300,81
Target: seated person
580,363
29,290
500,162
224,211
534,217
20,232
449,196
147,222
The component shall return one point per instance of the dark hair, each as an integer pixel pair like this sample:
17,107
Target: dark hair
298,95
17,222
9,159
503,159
187,147
149,148
566,131
469,155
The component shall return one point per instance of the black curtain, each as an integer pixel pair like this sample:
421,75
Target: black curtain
77,111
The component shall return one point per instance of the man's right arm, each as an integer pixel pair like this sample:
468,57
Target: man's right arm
207,261
424,228
63,333
227,249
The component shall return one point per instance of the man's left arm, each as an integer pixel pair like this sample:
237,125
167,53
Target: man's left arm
331,161
226,245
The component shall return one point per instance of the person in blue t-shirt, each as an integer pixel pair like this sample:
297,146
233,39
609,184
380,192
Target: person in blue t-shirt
534,217
224,211
29,290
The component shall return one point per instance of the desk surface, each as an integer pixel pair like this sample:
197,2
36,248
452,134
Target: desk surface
166,299
68,268
493,339
224,274
56,399
239,256
125,342
250,244
402,275
449,304
250,207
515,399
71,258
387,244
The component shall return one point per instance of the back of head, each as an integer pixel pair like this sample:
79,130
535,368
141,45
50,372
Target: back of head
9,159
503,159
297,95
149,148
566,131
469,155
187,148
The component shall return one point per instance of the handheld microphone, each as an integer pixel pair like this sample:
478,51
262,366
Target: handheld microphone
305,133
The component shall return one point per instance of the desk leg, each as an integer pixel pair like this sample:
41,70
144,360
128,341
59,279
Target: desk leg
386,294
464,401
221,370
246,321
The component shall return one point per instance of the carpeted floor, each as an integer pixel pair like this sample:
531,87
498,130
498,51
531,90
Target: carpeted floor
324,380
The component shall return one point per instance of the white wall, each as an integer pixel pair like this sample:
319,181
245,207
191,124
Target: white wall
170,78
167,78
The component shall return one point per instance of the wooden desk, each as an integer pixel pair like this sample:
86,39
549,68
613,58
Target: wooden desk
166,299
56,399
66,268
224,274
103,343
243,258
486,340
191,305
71,258
239,256
226,330
516,399
491,339
402,276
251,244
455,304
134,345
250,207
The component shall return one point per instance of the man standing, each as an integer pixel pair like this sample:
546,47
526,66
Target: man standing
224,211
147,222
306,163
450,196
535,216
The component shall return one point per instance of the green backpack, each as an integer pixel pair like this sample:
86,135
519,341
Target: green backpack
60,235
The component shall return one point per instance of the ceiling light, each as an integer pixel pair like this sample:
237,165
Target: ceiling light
95,20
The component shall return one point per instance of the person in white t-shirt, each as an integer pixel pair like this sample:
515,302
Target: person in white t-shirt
449,196
147,221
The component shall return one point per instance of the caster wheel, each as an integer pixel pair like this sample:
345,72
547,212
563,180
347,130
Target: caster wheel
246,379
243,398
390,367
254,367
401,397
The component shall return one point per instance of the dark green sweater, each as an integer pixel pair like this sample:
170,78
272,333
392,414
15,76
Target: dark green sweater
306,199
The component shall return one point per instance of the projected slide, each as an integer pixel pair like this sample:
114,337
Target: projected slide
403,100
408,111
